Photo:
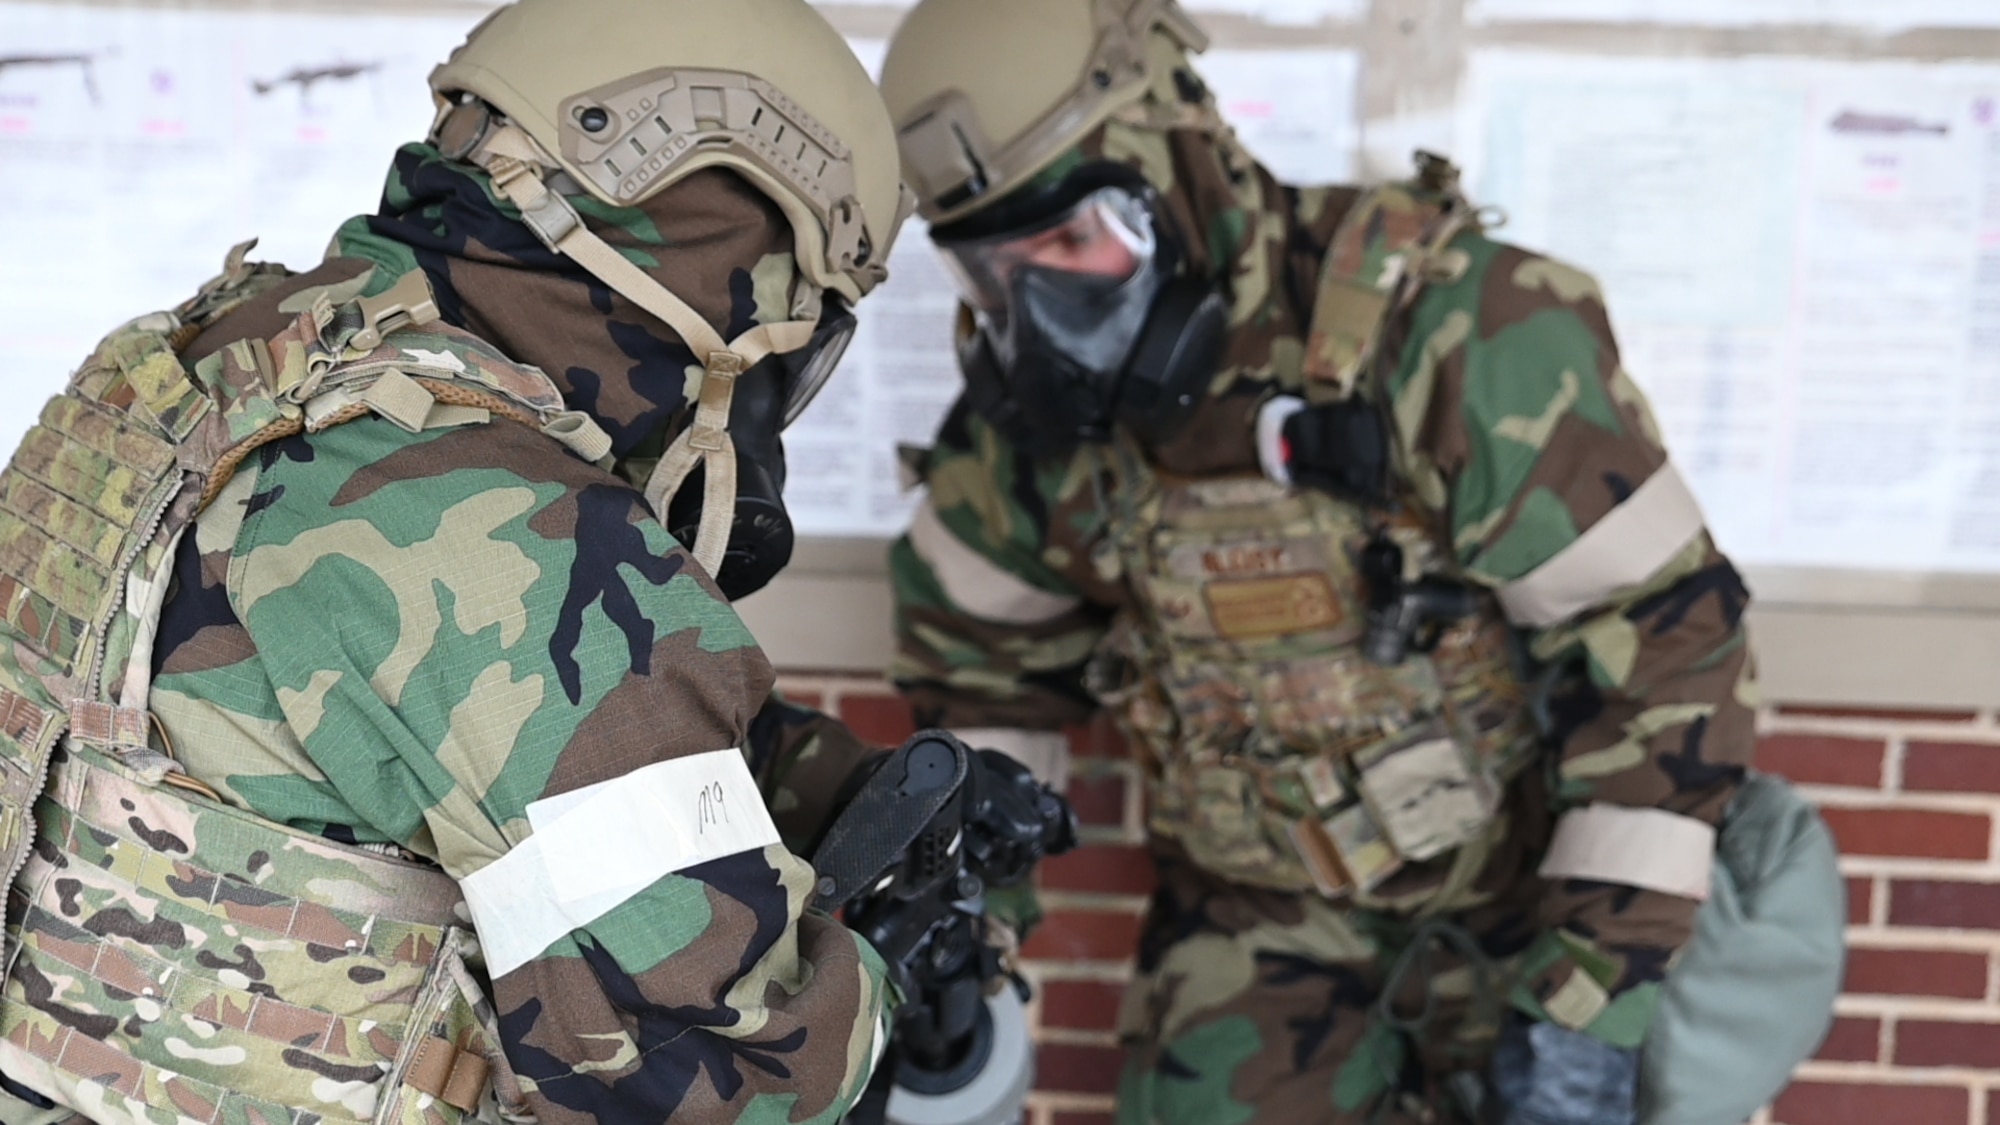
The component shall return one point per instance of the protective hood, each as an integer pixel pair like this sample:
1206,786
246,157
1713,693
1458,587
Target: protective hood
713,240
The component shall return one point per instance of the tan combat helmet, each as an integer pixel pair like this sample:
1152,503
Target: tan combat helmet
986,93
622,99
630,96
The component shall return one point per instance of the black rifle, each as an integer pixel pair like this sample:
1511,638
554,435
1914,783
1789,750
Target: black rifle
909,859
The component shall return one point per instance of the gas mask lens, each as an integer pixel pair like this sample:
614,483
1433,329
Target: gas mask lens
807,370
1107,234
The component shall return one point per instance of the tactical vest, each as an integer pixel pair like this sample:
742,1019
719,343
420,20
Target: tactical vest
170,957
1277,753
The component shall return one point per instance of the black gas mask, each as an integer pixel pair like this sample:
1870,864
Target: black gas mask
767,397
1084,319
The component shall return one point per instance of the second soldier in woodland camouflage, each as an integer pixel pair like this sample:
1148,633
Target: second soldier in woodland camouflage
370,744
1351,515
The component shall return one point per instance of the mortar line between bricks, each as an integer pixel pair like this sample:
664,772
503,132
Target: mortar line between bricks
1892,764
1840,797
1092,901
1078,1037
1913,1007
1068,1102
1878,901
1992,978
1135,803
1885,1038
1974,871
1062,972
1919,729
1922,940
1993,841
1816,1070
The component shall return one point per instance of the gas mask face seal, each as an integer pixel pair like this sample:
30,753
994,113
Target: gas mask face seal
1083,322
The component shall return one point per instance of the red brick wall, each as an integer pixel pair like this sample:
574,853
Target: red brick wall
1911,796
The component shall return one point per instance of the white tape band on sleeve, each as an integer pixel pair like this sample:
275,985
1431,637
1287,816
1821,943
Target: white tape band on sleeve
595,847
1649,848
976,583
1626,547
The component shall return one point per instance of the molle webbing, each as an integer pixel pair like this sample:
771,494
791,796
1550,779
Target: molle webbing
290,963
187,946
89,490
1278,753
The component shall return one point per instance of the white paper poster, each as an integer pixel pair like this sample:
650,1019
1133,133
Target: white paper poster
140,144
1802,262
1285,11
1880,15
1294,109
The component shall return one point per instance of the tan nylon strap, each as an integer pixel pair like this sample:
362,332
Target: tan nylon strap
448,393
705,441
454,1076
400,399
513,162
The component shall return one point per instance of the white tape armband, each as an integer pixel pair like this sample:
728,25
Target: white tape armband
1044,752
974,583
1625,548
1649,848
600,845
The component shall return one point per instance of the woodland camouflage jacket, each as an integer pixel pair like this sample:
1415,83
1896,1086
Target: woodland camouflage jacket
405,639
1515,426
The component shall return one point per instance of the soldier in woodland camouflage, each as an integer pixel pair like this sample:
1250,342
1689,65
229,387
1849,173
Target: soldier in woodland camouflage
1352,517
371,746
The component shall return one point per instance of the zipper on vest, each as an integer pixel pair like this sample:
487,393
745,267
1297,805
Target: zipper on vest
156,516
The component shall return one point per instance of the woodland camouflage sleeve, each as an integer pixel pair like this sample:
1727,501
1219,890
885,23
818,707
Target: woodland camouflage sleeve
989,632
1562,499
461,623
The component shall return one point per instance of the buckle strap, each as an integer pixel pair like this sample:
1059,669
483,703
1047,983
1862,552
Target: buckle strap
448,1072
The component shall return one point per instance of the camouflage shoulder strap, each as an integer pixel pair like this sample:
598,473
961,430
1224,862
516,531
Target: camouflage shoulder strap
1395,240
96,496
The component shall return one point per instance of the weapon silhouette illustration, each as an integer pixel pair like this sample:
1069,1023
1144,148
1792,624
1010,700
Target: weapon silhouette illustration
1888,124
87,62
305,77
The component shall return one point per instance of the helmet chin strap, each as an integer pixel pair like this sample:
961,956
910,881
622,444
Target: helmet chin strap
516,165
